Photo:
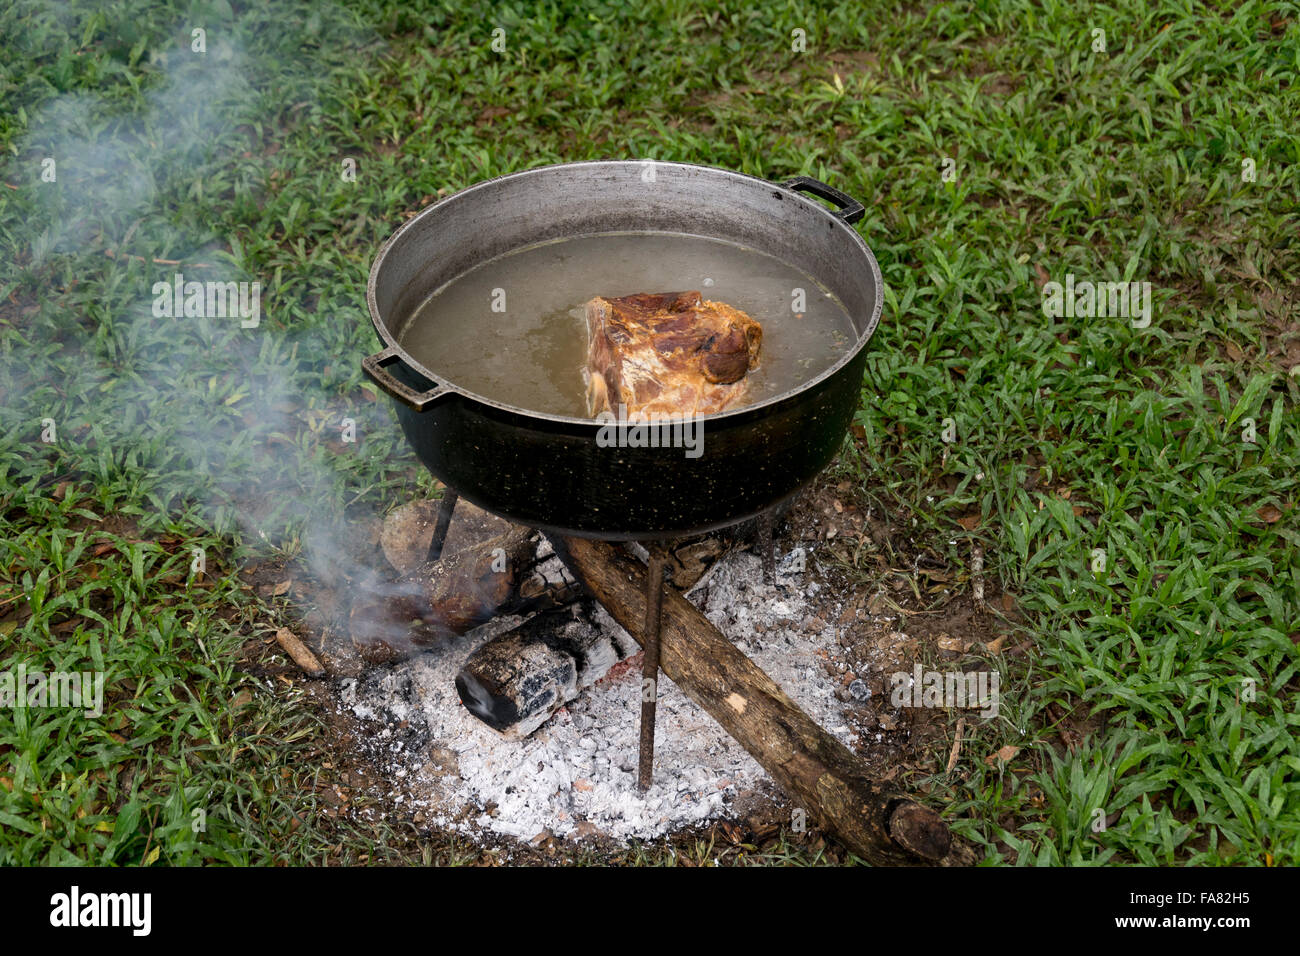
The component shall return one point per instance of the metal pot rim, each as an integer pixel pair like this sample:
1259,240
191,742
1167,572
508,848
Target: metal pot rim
444,387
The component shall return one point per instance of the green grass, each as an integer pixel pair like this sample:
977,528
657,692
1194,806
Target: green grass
176,433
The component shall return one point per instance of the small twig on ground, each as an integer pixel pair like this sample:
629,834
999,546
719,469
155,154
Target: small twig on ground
297,650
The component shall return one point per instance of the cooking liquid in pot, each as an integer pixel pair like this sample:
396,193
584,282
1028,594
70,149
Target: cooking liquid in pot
530,352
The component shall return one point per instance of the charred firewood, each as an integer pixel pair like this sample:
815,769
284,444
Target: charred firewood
514,682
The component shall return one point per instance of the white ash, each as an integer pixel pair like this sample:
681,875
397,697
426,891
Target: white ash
576,775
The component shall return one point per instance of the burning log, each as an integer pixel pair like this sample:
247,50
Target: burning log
824,777
440,599
516,681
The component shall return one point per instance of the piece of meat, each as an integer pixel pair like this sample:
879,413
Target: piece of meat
668,353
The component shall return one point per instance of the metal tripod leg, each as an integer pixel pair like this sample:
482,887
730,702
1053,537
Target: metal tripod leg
654,603
767,545
445,507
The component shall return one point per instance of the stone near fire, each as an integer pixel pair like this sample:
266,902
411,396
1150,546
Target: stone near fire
435,601
408,529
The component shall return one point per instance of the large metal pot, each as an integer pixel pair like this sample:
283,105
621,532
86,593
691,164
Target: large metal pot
549,471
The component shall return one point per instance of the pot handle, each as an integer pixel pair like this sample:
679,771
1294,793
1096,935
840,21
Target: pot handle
850,210
374,366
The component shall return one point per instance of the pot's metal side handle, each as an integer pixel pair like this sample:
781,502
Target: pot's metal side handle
850,210
375,367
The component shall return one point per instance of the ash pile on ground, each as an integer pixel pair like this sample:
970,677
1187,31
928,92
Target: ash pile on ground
576,776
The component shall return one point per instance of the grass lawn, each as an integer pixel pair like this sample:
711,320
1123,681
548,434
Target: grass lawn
1134,488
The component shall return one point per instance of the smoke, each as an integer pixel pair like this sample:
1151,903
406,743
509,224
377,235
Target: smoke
98,165
263,430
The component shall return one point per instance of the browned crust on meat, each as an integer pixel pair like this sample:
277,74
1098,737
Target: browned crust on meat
668,353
